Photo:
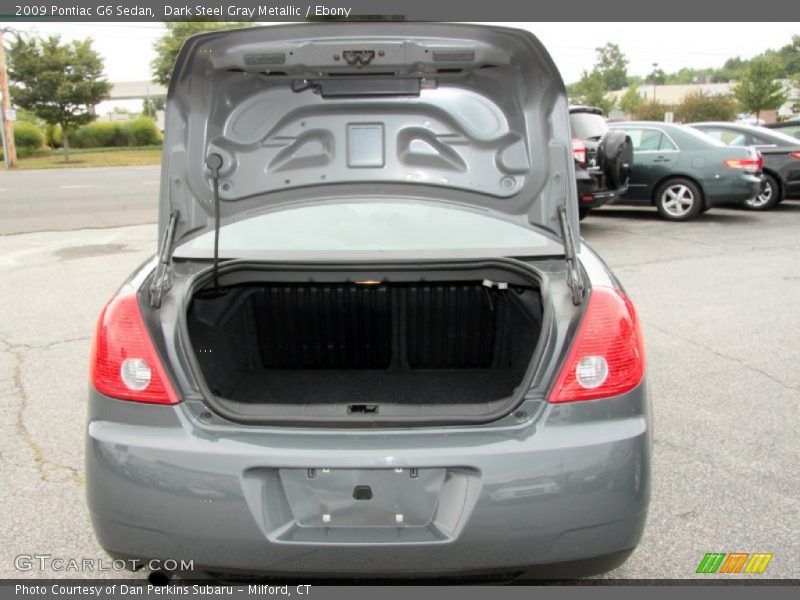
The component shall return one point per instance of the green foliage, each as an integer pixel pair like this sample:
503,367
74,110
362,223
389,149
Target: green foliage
592,90
612,65
140,132
697,107
732,70
53,136
97,135
151,106
102,134
28,137
631,100
57,82
787,58
651,111
758,89
28,116
657,77
169,44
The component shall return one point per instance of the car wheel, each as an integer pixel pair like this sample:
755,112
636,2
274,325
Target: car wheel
769,196
679,200
583,212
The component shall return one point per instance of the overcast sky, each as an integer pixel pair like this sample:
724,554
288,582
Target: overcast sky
128,47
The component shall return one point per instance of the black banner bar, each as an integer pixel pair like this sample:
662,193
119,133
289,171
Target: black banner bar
411,10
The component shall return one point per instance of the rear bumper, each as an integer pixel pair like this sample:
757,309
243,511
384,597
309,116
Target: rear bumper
573,483
792,188
733,190
592,193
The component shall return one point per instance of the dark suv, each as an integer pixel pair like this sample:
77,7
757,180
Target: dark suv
603,158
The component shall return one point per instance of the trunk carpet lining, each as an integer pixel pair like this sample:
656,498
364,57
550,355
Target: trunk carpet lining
405,344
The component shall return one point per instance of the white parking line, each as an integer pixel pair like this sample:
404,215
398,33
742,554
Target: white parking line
73,187
7,189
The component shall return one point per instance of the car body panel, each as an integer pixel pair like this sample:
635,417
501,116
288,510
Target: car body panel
671,151
776,146
162,483
471,132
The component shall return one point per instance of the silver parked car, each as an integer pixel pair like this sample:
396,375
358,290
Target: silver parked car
372,342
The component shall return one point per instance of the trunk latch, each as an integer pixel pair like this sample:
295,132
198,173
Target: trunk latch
362,492
358,58
362,409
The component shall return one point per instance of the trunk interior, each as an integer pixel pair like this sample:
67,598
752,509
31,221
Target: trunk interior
365,349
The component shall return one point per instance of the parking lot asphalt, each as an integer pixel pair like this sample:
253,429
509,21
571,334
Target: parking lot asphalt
718,299
68,199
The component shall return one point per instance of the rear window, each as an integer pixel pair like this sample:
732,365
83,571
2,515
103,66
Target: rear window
731,138
372,227
587,126
794,130
778,137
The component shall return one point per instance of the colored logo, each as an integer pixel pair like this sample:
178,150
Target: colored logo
734,562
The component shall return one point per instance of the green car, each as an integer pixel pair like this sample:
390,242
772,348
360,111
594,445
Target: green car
683,172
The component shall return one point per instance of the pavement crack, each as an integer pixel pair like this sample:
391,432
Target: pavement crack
67,341
740,252
49,470
739,361
10,347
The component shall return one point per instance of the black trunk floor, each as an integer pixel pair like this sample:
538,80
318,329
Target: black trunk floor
373,387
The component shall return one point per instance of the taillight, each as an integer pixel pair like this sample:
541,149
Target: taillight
579,151
607,355
794,154
750,164
124,363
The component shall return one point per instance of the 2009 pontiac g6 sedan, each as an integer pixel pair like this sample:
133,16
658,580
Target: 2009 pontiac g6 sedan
371,343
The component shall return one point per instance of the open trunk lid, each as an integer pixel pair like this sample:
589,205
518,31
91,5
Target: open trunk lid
467,115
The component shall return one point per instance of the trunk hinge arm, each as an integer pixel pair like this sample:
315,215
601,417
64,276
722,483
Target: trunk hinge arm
161,279
574,277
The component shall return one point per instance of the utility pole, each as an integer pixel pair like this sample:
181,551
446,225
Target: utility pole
9,149
655,67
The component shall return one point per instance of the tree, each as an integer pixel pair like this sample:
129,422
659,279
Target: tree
592,90
697,107
60,83
631,100
732,70
656,77
169,44
787,58
151,106
651,111
612,66
759,89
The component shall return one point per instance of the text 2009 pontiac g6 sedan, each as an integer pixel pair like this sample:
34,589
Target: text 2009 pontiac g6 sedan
371,343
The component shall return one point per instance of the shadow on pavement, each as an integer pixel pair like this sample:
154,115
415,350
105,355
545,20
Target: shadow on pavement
716,215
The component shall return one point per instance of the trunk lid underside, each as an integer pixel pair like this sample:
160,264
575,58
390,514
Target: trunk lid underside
469,115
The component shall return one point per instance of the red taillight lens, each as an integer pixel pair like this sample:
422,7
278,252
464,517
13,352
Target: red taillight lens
124,363
607,356
579,151
752,164
794,154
